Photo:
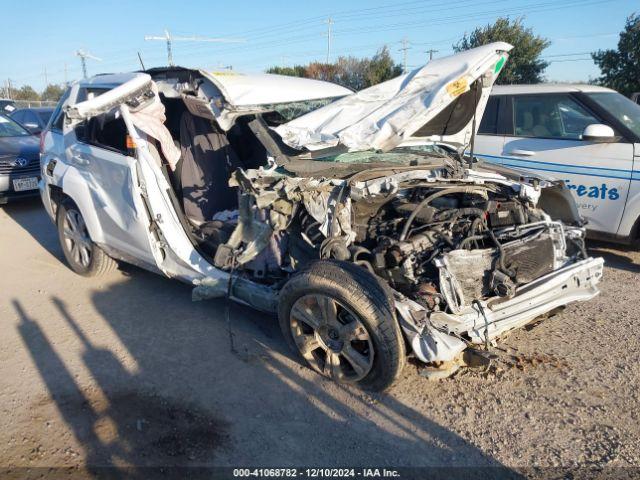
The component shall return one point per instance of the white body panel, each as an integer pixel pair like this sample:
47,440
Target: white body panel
384,115
603,176
249,90
632,208
598,174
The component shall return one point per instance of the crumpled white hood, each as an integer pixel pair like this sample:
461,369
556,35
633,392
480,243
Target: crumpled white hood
251,90
382,116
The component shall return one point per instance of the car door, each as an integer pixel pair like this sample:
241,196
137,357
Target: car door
547,137
489,141
97,148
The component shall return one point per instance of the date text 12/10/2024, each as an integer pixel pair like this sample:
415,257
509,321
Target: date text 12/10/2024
315,473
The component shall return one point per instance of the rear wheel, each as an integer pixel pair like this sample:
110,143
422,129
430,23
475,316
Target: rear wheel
341,321
83,256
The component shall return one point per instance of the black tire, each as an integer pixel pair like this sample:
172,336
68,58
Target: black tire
86,259
357,293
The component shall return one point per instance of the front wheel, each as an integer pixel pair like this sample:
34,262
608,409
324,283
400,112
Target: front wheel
83,256
341,321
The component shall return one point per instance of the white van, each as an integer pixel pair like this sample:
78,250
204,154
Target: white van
586,135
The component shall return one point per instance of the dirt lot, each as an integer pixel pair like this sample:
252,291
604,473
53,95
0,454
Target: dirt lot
126,370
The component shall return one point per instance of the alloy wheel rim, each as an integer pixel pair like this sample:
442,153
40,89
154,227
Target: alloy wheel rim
331,338
76,238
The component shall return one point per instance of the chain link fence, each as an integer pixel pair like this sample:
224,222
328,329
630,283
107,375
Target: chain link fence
34,103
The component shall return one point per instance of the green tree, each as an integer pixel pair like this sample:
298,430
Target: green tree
621,68
525,64
52,92
26,92
322,71
382,68
295,71
351,72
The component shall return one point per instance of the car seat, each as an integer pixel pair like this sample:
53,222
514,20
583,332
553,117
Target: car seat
539,123
207,163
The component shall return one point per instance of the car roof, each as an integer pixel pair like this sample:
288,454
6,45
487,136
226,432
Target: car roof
547,88
35,109
241,89
107,80
246,89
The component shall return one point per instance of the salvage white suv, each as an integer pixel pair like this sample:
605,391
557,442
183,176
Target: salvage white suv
293,196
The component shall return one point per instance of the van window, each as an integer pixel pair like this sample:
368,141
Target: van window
489,123
620,107
550,116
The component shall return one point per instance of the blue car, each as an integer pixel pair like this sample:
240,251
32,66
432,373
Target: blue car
19,161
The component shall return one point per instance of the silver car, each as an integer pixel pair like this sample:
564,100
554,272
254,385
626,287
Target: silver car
302,198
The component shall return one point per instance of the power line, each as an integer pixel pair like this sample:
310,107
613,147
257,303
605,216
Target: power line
571,60
279,39
409,8
167,37
568,54
539,7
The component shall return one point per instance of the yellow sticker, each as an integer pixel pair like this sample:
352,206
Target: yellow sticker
458,87
228,73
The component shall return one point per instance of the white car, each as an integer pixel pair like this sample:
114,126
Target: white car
585,135
366,250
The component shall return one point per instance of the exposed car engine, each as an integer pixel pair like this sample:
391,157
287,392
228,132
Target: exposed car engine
442,242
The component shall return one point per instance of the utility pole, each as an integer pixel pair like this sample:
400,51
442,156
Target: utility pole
46,80
329,22
83,60
7,88
169,39
431,51
66,82
405,47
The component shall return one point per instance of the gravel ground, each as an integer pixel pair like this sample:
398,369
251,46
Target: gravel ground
125,370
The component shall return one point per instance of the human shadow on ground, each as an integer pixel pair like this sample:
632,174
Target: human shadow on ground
614,255
192,386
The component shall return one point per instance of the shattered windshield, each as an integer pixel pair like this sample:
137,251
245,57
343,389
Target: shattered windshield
414,155
280,113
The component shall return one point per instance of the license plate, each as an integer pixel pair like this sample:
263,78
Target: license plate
22,184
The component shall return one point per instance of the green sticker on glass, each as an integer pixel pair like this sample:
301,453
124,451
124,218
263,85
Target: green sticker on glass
499,65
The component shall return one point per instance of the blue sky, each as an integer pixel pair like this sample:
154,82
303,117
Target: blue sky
43,35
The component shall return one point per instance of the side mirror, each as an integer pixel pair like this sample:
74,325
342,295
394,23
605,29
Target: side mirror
33,128
599,133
